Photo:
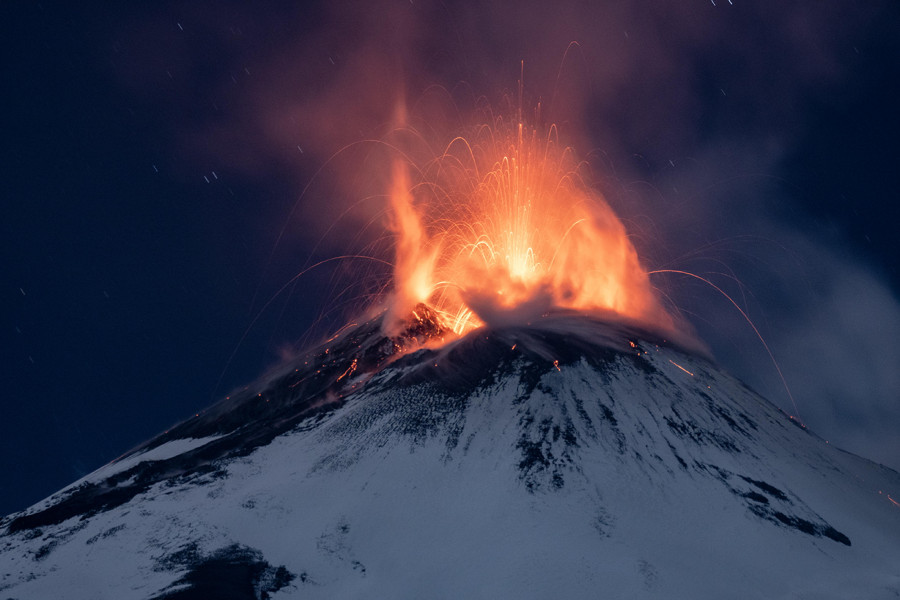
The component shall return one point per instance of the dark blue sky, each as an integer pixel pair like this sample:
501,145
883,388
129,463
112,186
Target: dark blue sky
152,157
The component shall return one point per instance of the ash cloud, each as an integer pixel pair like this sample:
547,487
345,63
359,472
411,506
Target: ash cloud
843,354
690,113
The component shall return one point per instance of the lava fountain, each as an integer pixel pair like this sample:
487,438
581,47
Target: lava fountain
503,226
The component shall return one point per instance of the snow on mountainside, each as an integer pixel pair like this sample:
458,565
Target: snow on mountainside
570,458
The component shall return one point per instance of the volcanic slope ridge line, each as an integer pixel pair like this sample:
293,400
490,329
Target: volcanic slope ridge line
319,382
583,449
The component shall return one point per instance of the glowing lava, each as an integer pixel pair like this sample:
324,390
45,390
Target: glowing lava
502,227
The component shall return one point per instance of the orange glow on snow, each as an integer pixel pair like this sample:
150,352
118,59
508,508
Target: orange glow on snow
680,367
502,227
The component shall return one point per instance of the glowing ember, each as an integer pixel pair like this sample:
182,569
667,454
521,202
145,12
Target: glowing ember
502,227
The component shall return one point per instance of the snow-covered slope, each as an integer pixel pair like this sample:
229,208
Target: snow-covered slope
517,463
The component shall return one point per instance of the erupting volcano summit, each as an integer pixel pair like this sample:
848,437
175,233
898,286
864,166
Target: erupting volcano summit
523,420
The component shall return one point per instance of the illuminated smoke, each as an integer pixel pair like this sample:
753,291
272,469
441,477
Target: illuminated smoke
503,226
414,263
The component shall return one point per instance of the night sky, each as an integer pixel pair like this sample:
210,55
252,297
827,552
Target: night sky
166,171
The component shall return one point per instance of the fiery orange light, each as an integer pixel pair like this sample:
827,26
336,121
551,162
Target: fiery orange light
680,367
502,227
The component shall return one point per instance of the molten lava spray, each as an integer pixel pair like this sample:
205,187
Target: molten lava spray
502,227
414,261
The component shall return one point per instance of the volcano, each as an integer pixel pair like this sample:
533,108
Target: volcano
571,457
